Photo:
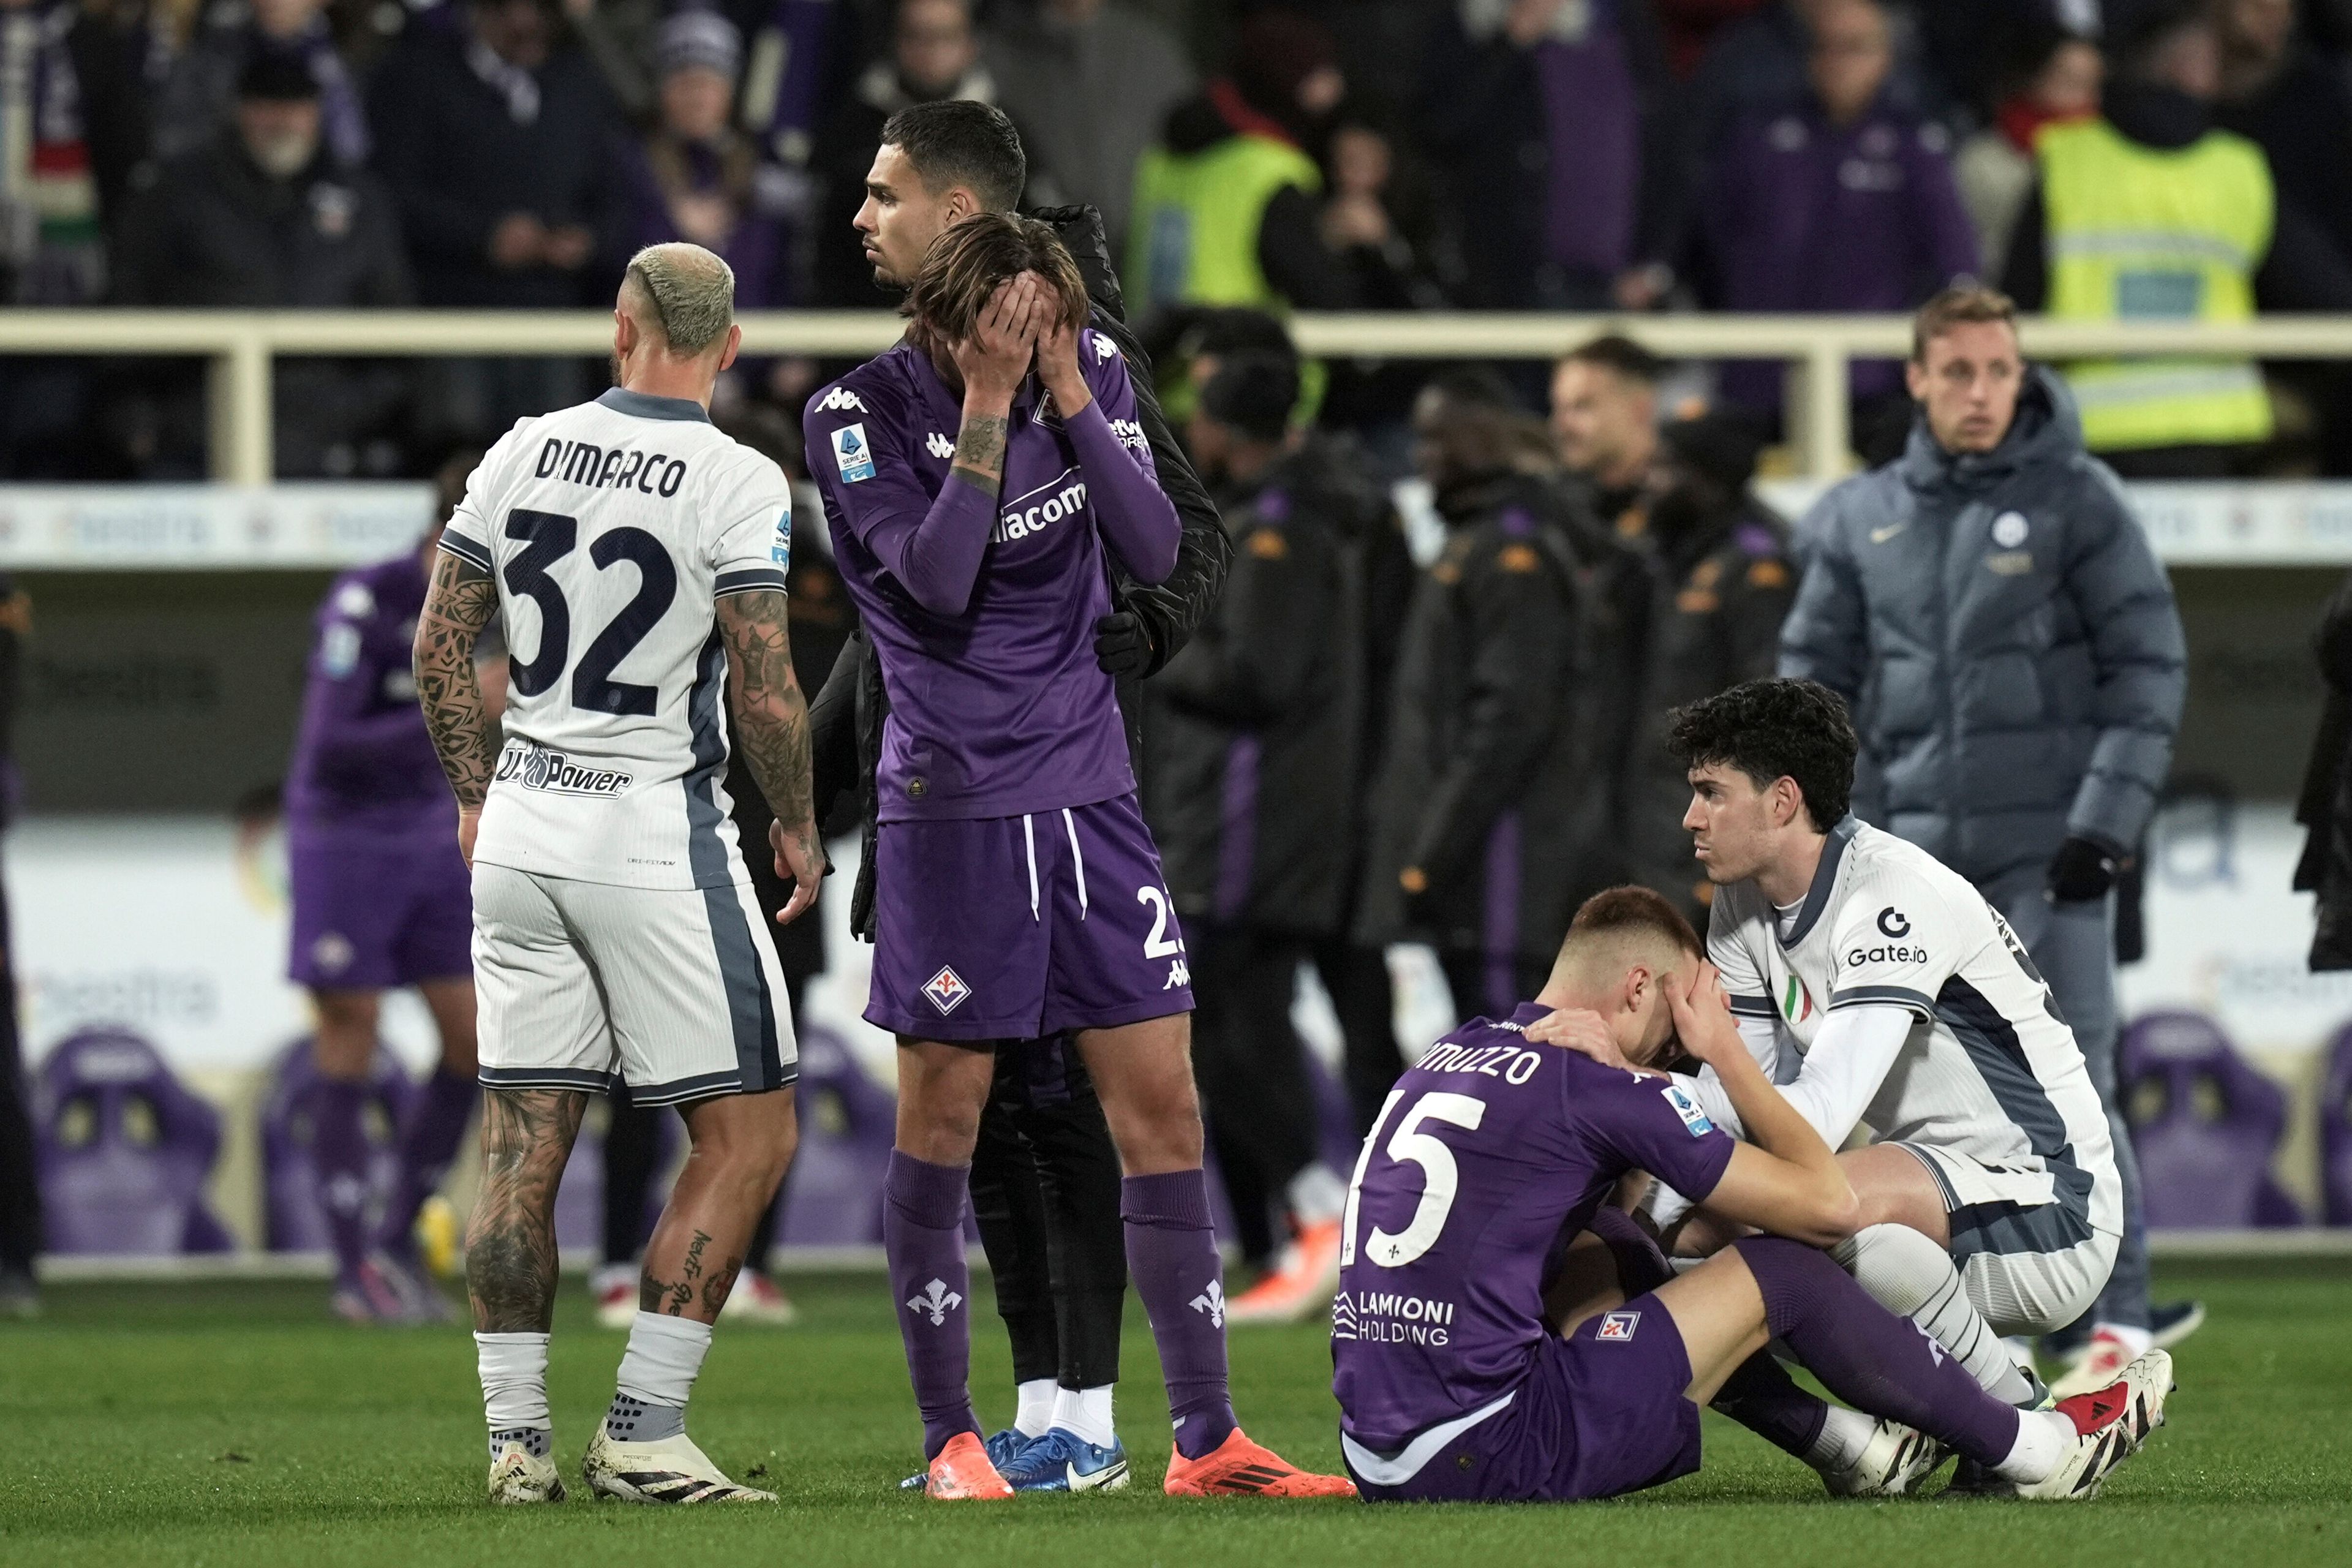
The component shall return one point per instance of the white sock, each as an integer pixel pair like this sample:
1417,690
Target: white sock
1316,1194
1034,1414
1844,1435
1907,1273
2135,1341
2042,1438
514,1381
659,1369
1085,1414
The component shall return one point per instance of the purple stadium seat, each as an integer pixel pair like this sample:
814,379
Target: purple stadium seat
2335,1130
2205,1125
124,1151
847,1123
294,1218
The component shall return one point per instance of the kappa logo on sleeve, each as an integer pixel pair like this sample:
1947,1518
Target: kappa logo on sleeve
938,445
838,399
852,453
1103,348
1618,1327
1687,1109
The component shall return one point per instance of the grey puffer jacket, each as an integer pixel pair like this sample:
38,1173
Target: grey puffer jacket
2006,637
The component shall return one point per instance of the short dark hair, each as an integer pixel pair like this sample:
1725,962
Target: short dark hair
968,261
1617,353
1253,392
1773,730
1476,386
956,141
1631,909
1963,301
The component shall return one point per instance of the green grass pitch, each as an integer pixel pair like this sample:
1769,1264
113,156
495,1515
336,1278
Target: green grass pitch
233,1425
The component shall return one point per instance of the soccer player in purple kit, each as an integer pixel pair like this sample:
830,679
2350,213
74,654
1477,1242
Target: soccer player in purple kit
1019,891
1500,1335
381,899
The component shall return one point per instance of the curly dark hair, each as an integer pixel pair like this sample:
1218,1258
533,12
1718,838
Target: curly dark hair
1773,730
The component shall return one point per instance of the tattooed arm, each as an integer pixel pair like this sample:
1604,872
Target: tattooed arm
459,604
527,1135
772,726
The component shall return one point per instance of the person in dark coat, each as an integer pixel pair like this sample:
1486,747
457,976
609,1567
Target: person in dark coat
270,218
2324,806
1250,738
1493,819
1045,1175
1722,582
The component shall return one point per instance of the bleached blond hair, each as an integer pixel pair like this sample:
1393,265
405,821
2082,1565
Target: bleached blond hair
690,291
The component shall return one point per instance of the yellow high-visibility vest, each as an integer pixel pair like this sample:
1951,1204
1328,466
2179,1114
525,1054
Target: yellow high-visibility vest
2139,232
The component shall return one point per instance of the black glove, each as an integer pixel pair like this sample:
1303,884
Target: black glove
2081,871
1122,647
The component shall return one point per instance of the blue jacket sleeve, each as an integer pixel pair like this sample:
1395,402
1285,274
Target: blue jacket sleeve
2139,666
1827,635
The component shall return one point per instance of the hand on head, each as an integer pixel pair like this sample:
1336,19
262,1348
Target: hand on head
1003,339
1057,355
1702,1015
1583,1031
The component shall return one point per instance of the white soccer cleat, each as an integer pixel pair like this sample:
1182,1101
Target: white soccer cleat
670,1471
1893,1463
756,1300
517,1476
2110,1424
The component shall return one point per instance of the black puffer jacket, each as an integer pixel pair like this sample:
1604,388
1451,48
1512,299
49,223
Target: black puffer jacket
1256,732
846,720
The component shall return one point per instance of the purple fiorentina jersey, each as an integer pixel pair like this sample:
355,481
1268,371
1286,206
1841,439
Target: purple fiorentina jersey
1001,710
1485,1153
362,756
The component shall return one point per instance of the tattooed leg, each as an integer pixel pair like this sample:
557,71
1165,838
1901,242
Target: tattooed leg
526,1136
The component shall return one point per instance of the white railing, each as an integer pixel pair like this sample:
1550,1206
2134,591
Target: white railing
1818,350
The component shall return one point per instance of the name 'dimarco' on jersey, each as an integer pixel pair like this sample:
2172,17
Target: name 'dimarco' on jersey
610,468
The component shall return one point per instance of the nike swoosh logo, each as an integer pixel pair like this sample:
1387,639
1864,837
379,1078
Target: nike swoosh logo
1881,535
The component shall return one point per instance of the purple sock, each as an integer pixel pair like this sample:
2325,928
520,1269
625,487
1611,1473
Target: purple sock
338,1153
1172,1256
922,1237
1869,1357
427,1144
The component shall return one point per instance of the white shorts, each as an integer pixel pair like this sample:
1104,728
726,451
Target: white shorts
675,993
2037,1292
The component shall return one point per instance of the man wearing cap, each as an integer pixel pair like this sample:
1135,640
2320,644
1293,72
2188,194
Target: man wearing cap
1721,583
702,179
268,218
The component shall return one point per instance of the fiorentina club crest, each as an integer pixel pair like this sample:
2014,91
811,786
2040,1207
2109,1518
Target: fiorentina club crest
1618,1325
947,990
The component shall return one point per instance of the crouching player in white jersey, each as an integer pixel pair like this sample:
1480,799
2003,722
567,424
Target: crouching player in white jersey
638,557
1881,991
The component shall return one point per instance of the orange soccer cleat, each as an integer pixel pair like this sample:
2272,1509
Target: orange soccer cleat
1300,1286
963,1472
1239,1467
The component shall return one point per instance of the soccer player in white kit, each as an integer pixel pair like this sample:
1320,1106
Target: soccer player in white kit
1882,992
638,556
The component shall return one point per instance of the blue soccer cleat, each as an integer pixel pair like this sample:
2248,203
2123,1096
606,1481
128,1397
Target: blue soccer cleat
1005,1448
1061,1461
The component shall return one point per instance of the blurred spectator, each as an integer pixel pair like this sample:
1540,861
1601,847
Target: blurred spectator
1605,417
934,55
1489,825
1375,226
1844,203
1721,583
1687,27
702,179
2325,805
1253,743
2056,82
1225,207
51,250
270,218
500,143
194,107
20,1194
1090,83
1763,65
2280,94
2149,213
1533,111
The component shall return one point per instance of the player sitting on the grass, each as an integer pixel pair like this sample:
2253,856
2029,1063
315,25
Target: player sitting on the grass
1479,1354
637,555
1019,894
1888,993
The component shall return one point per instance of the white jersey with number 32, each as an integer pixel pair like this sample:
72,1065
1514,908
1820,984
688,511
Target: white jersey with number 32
612,530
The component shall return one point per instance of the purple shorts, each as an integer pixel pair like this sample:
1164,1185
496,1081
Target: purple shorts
376,910
1598,1413
1012,927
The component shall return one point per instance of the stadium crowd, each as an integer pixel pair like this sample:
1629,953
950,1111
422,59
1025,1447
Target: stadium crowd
1630,155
